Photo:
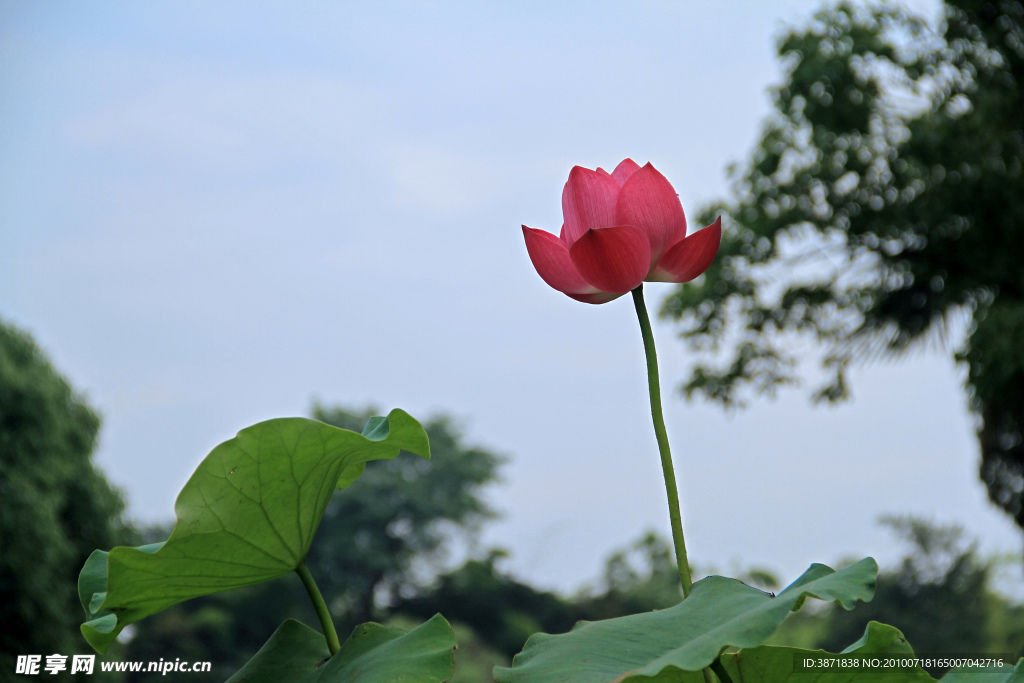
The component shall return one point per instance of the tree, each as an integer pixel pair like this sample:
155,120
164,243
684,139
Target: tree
502,611
884,201
399,514
638,579
940,596
643,578
374,538
56,507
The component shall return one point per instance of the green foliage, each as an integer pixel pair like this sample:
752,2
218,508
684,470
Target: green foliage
639,579
939,597
372,538
372,654
1016,675
776,664
643,577
773,664
55,505
247,515
675,644
474,658
502,611
941,582
884,198
1004,623
225,629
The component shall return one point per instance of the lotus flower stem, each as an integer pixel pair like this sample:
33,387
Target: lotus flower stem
662,436
322,613
720,671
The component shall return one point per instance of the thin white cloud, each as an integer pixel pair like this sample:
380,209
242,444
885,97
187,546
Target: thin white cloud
239,122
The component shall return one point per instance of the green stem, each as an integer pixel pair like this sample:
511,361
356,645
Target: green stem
662,435
322,613
720,671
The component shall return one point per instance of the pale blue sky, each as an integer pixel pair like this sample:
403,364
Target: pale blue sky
213,213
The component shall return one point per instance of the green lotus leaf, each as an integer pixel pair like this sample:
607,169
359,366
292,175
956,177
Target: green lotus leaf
372,654
248,514
675,644
773,664
1007,675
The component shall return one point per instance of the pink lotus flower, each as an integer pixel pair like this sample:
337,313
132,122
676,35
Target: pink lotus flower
620,229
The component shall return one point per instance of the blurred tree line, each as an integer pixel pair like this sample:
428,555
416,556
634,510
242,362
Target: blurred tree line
380,551
942,595
56,507
883,203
